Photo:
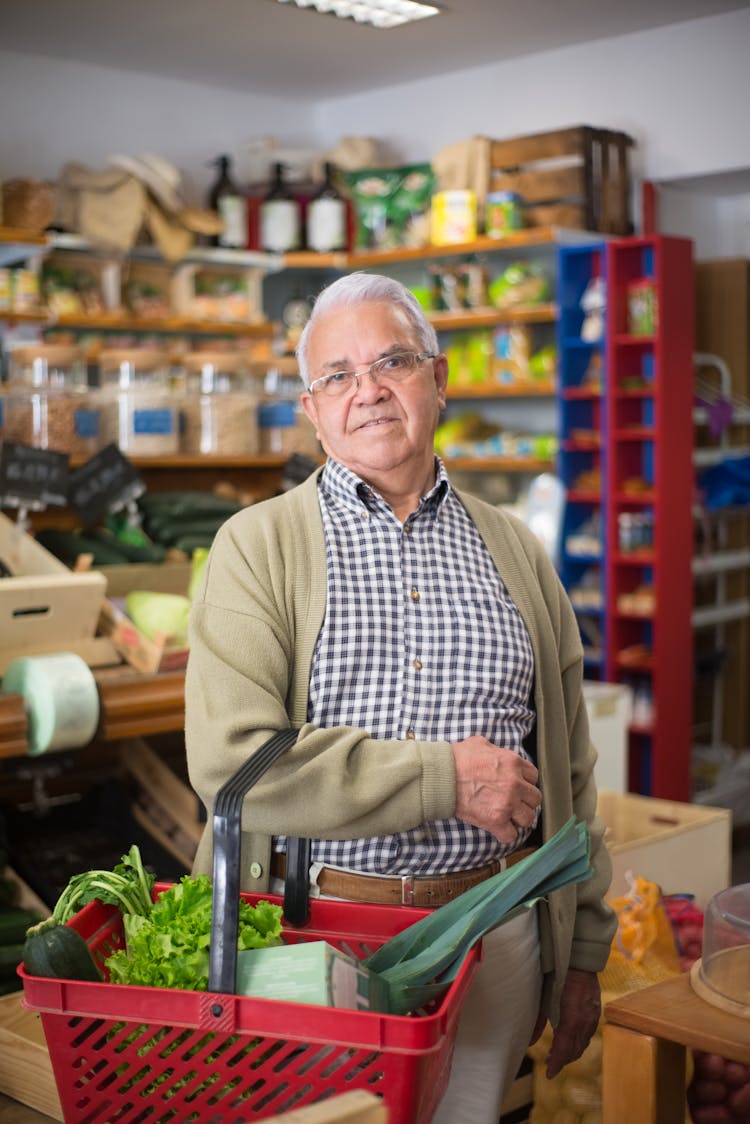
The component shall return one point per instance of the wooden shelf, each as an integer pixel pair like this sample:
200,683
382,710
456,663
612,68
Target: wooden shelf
498,464
493,317
131,705
498,390
120,322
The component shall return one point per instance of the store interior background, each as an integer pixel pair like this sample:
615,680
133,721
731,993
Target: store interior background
81,81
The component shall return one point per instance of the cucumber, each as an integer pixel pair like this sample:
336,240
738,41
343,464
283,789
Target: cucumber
59,952
190,543
132,552
178,503
10,891
14,924
11,955
170,533
68,545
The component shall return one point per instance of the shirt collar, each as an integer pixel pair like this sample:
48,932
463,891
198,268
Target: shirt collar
342,485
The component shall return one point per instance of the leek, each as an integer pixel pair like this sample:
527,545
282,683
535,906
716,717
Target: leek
420,962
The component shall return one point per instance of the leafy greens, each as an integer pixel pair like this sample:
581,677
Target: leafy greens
169,946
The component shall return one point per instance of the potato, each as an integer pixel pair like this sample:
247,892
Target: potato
739,1103
709,1065
736,1074
711,1114
708,1092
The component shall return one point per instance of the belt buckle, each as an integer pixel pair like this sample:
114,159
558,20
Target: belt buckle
407,889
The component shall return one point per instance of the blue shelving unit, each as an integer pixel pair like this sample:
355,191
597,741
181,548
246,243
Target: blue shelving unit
581,332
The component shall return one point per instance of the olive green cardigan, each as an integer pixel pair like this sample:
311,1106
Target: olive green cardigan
253,629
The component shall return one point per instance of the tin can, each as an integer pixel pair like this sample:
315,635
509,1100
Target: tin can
453,217
503,213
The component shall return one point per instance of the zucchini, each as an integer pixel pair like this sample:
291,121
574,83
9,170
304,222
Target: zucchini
10,892
58,952
68,545
14,923
170,533
188,544
11,956
131,551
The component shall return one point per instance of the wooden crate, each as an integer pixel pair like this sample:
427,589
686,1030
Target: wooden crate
684,848
577,178
45,607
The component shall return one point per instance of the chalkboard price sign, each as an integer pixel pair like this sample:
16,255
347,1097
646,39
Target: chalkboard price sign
34,478
104,483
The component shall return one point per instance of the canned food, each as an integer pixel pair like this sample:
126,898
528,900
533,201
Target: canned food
503,213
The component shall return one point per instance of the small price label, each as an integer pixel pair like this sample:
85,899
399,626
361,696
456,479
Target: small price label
32,477
105,483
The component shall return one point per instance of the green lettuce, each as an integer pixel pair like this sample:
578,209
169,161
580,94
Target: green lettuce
169,946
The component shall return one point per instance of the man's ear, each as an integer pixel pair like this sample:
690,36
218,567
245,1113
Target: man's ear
440,370
307,401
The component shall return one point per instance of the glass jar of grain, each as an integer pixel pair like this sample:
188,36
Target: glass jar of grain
219,405
140,412
48,402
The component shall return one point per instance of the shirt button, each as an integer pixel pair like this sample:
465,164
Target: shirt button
417,664
364,515
407,529
411,736
415,595
255,870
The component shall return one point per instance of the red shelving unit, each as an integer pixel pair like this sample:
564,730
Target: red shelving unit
649,486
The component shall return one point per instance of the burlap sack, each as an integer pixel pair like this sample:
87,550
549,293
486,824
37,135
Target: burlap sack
107,208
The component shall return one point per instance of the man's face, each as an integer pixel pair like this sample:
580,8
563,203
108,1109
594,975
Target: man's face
376,431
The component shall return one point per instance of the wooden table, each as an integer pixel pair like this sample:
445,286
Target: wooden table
645,1036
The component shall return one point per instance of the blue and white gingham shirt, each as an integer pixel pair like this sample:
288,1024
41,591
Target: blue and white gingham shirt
420,640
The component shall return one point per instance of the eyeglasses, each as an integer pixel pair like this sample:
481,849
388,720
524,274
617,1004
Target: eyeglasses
389,370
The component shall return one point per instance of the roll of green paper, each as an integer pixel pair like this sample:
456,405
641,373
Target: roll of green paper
60,697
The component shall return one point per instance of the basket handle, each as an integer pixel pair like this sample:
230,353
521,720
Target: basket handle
227,832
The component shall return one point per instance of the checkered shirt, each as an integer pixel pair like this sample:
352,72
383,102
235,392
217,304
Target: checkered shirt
420,640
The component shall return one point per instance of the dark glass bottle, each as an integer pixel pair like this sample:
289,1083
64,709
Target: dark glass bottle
326,217
227,199
279,216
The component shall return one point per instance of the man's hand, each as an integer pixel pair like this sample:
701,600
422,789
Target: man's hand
580,1008
495,788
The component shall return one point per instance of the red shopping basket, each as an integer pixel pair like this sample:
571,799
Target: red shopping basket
125,1055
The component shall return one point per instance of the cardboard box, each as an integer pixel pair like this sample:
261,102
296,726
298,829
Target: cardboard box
310,972
147,656
609,706
45,607
684,848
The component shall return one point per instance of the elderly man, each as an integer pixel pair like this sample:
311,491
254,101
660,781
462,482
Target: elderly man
422,643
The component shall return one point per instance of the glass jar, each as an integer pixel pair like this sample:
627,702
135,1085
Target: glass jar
284,429
48,402
140,412
219,405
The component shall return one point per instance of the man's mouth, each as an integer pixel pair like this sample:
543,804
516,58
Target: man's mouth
374,422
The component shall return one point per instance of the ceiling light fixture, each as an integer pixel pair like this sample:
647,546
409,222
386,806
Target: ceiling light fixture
379,13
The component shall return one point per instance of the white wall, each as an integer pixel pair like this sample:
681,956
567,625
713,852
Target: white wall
682,92
53,111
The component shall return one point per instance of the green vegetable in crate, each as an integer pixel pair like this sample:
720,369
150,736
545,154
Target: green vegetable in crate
69,545
200,557
170,946
53,948
155,614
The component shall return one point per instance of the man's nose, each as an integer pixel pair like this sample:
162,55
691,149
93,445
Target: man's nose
369,386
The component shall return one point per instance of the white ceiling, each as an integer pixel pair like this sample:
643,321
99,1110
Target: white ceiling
262,46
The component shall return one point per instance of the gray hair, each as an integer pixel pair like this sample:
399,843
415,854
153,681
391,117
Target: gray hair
363,288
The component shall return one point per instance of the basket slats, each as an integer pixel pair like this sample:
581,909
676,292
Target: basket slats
126,1055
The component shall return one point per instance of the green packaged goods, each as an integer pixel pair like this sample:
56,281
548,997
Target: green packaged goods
311,972
392,205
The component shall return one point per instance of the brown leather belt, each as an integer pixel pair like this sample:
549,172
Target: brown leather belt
408,889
